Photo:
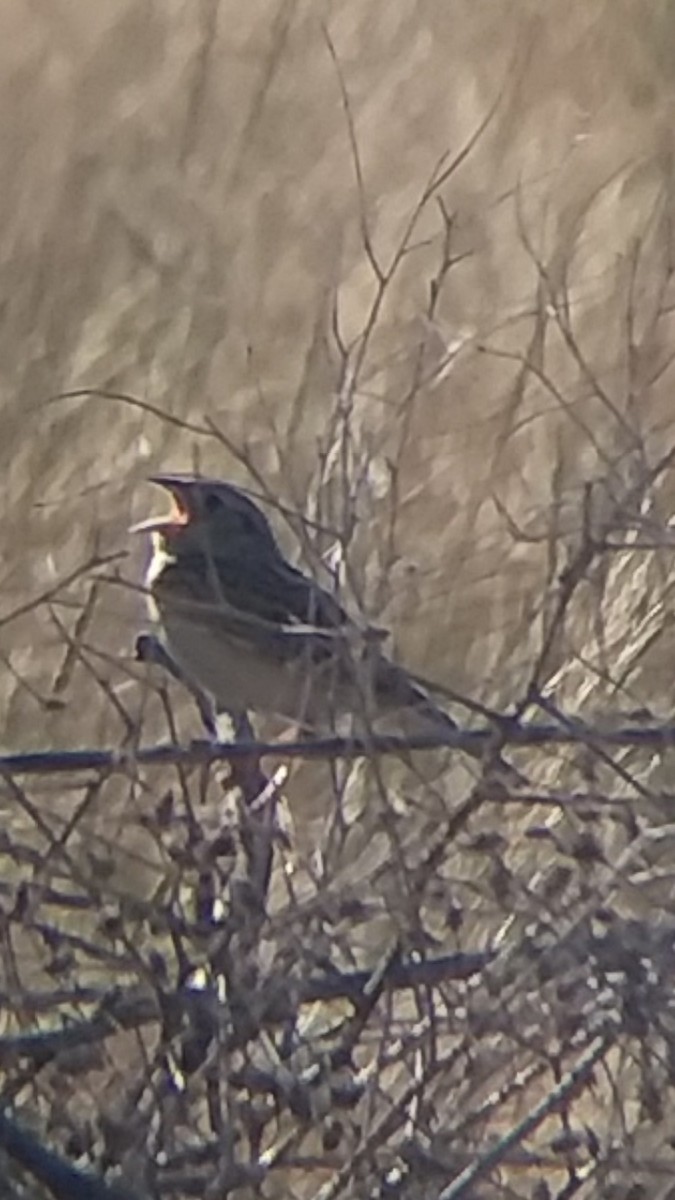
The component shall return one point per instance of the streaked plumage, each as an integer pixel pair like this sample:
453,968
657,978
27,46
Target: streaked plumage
257,634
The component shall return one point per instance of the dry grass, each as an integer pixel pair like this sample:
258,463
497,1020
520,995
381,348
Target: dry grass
405,270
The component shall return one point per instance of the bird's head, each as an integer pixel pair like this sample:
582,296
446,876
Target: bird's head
208,516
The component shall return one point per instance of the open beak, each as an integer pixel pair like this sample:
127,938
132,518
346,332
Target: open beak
177,486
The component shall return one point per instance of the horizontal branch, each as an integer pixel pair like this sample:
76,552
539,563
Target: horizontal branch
473,741
135,1007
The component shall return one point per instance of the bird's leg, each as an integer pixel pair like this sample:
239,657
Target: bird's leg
259,793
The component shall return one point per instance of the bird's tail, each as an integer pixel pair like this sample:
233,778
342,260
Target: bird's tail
396,691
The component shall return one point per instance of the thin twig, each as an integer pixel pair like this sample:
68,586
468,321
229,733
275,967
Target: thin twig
550,1104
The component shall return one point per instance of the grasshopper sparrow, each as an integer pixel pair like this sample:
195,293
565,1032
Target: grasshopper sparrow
255,633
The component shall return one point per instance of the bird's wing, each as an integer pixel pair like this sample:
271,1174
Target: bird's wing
292,597
261,586
268,603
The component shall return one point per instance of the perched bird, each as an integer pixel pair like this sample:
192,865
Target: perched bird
255,633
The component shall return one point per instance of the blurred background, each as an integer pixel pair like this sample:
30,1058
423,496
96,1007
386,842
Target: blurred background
275,224
405,271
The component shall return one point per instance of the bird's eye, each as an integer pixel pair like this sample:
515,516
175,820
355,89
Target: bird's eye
212,502
248,522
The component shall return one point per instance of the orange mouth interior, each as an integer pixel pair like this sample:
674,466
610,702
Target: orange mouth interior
179,514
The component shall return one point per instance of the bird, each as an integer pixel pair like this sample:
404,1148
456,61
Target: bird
255,633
